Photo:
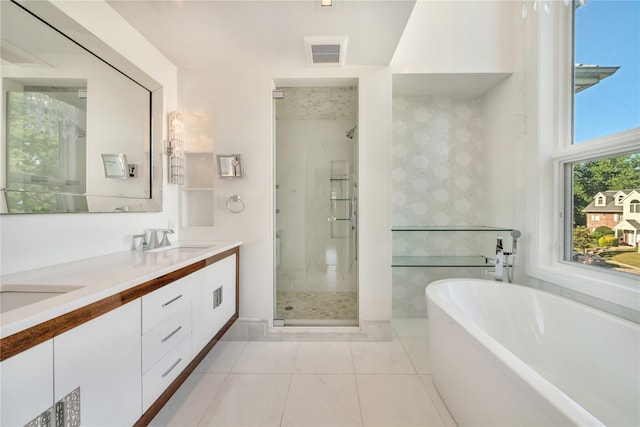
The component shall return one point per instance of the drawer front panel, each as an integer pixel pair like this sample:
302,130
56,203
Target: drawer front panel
162,374
168,301
157,342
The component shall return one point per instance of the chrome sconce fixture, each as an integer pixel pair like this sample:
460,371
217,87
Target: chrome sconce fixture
175,148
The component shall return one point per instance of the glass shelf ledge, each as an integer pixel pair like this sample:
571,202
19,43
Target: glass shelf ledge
447,228
441,261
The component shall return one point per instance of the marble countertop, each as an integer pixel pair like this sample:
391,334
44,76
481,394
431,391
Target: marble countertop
86,281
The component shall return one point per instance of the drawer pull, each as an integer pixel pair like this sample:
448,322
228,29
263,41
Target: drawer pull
176,363
172,333
170,301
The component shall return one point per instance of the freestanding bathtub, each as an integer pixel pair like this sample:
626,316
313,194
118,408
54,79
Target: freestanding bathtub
509,355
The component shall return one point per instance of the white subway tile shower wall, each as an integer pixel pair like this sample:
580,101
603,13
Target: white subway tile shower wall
437,165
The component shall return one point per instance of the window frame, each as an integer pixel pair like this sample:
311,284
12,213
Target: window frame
552,137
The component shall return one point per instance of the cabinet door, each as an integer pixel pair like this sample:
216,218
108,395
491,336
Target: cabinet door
27,385
205,282
102,359
227,275
214,300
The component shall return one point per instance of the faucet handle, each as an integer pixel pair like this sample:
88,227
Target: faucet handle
165,239
139,246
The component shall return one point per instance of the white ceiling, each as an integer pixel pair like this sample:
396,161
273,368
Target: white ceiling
213,33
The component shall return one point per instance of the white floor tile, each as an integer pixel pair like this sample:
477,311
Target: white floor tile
188,405
222,357
267,357
322,400
249,400
323,358
410,328
446,416
396,400
418,351
387,357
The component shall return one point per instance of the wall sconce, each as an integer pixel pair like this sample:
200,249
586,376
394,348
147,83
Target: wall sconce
175,148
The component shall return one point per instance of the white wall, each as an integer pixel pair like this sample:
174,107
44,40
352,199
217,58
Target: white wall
457,37
239,102
32,241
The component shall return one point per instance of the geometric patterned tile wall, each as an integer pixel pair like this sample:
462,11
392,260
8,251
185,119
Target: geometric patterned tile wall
436,180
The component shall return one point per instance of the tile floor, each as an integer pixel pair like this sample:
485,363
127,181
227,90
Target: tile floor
307,383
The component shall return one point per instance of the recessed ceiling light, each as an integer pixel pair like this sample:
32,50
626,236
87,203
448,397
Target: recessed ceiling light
326,3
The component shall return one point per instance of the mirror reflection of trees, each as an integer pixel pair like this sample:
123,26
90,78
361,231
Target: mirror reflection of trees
46,149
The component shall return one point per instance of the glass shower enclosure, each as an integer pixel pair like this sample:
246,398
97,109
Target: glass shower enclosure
316,227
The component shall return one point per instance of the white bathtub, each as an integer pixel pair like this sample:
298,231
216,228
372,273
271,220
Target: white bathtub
509,355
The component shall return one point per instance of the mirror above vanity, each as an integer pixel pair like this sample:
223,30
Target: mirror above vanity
71,107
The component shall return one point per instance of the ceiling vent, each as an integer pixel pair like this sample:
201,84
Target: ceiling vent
324,51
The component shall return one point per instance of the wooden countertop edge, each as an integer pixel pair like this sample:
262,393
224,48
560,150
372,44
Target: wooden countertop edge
30,337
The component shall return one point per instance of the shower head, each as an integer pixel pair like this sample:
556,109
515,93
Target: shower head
351,132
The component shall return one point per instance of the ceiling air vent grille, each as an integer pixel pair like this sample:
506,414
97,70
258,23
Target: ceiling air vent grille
326,50
325,53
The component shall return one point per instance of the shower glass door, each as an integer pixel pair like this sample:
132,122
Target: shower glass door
316,261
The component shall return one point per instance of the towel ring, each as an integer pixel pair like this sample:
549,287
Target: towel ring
237,200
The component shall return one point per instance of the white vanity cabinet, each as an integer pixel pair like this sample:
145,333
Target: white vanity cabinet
91,372
214,300
27,382
116,360
101,359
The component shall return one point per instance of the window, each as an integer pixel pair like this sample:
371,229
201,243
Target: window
634,207
603,157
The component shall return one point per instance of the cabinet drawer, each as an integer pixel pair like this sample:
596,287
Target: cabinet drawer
159,305
162,374
158,341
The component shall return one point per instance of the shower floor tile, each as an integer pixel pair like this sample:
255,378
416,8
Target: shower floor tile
317,305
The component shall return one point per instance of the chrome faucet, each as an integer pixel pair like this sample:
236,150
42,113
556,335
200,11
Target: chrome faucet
153,238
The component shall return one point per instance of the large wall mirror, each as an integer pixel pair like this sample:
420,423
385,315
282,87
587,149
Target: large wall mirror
67,105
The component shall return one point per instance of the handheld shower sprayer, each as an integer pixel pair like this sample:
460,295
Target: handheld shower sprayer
515,235
510,266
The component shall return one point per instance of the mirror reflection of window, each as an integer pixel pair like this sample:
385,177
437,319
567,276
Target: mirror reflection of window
46,146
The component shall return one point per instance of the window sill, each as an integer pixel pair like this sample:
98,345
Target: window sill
617,289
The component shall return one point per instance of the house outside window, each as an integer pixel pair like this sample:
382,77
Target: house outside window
558,158
601,158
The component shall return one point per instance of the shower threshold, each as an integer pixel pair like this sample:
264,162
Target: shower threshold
315,322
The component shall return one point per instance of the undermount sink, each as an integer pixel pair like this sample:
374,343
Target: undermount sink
12,297
183,248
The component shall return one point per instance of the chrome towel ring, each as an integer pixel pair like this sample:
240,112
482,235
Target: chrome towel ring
235,204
